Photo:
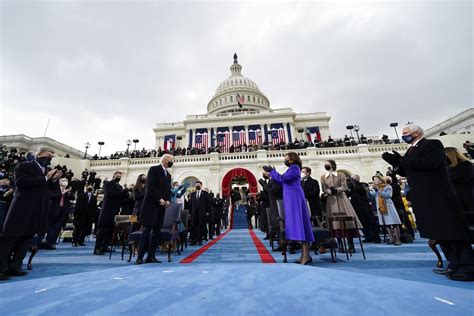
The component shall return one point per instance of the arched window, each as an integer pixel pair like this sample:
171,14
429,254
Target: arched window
248,98
231,99
253,99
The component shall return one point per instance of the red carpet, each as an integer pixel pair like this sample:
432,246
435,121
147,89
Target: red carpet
262,250
203,249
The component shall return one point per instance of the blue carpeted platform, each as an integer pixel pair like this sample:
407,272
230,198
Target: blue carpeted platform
229,279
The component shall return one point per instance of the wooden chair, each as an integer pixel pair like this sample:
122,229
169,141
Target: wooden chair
121,231
342,218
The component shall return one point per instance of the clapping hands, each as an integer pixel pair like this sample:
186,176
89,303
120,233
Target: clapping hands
392,158
268,168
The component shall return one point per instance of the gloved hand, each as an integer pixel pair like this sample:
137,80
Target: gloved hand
268,168
392,159
333,190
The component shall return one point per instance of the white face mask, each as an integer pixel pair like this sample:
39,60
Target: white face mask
303,175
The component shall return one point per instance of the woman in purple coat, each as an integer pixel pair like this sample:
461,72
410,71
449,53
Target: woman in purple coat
297,221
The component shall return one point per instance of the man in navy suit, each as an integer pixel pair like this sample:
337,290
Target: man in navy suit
439,215
28,212
200,203
157,199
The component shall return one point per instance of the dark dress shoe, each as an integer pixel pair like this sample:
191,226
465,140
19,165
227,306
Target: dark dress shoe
211,238
277,249
459,276
444,271
192,244
4,277
74,244
49,247
139,261
16,272
152,260
106,249
82,245
98,252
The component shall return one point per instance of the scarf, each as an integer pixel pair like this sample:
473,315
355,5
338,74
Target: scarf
381,201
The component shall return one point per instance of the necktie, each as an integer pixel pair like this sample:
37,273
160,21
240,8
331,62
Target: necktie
166,174
62,200
198,195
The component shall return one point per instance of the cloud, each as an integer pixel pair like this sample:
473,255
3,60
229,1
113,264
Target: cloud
111,70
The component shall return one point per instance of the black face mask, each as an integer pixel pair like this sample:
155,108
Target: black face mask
117,180
143,180
327,167
89,190
44,161
198,187
170,164
287,163
265,176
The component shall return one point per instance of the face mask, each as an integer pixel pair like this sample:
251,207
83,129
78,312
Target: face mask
89,190
265,176
176,187
303,175
143,180
117,180
1,174
198,187
170,164
63,184
407,139
287,163
44,161
327,167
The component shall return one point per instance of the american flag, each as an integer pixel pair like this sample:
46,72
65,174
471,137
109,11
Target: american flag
169,142
238,138
240,100
278,136
223,141
255,137
312,133
201,141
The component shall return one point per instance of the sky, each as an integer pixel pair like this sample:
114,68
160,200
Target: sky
111,70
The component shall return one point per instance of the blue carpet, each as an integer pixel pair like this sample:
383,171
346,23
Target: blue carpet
230,279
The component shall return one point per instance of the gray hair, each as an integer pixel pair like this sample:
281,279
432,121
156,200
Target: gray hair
356,176
42,149
415,128
167,157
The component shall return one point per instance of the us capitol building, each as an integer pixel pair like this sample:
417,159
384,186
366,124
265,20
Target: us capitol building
239,113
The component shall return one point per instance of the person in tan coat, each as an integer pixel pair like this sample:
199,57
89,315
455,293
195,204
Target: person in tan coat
334,187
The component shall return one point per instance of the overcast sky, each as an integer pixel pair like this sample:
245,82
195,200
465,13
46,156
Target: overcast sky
111,70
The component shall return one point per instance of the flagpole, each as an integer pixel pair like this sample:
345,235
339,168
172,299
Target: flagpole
46,129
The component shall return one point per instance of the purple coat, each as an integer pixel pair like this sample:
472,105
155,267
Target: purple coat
297,221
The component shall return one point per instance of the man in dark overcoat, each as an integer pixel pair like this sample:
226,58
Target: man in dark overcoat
114,195
157,199
438,212
28,212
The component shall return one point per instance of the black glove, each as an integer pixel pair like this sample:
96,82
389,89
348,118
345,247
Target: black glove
333,190
392,159
267,168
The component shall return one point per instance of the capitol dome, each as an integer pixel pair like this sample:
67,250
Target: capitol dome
236,90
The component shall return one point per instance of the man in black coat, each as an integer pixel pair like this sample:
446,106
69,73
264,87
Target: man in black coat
217,207
114,195
360,203
200,203
59,207
157,199
84,214
438,212
28,212
311,191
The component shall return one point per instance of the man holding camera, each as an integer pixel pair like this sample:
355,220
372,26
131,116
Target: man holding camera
28,212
